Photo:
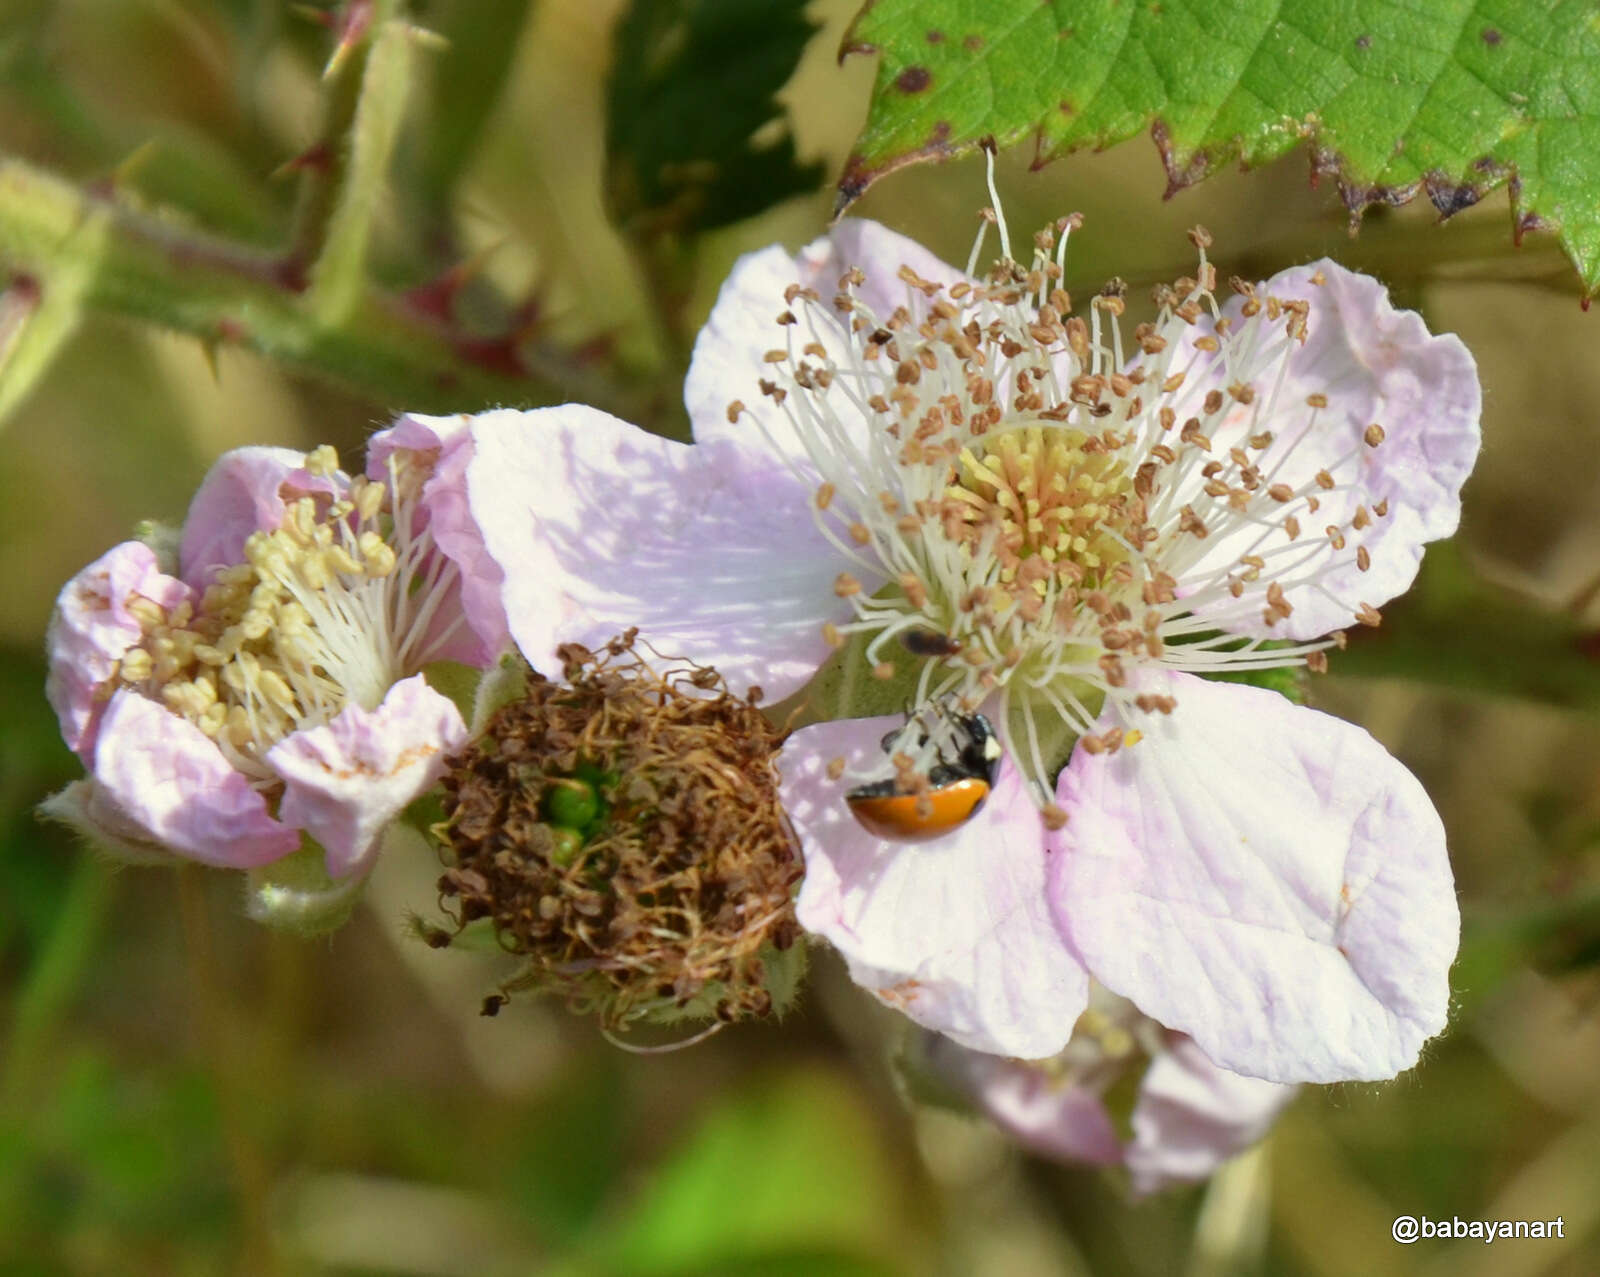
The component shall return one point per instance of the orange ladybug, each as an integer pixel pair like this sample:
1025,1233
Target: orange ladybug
956,789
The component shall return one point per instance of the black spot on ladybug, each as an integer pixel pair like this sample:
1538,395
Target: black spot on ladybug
913,80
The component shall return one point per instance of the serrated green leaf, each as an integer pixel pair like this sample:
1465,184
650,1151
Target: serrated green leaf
695,137
1448,98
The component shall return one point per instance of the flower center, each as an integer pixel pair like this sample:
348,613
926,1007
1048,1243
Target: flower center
332,607
1051,502
1033,513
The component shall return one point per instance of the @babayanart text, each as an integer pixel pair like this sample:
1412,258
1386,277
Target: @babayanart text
1410,1228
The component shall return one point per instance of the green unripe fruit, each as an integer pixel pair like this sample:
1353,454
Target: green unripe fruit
565,846
572,804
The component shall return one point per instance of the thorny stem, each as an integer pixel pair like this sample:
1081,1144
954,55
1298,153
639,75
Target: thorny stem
144,267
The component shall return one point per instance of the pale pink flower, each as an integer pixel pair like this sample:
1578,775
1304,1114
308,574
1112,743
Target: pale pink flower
1123,1092
1086,520
267,682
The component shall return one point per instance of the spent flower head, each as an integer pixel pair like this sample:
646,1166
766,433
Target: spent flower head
621,831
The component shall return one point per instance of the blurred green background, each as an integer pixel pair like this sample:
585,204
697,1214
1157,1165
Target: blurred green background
184,1093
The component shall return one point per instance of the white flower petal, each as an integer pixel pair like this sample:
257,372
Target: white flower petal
92,629
241,494
728,360
1037,1106
956,932
1192,1116
708,549
1375,365
347,779
1265,878
445,511
167,779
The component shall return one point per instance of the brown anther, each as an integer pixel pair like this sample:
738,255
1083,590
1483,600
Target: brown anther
1053,816
859,533
825,496
1200,237
1207,343
1373,435
1317,662
734,409
1291,525
787,318
1242,393
835,768
1381,508
1369,615
1318,400
775,356
883,670
1363,558
844,585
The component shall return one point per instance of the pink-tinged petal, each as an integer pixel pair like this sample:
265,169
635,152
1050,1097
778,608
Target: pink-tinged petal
1264,878
1376,365
169,780
1037,1106
446,513
728,355
347,779
241,494
955,933
599,526
92,629
1192,1116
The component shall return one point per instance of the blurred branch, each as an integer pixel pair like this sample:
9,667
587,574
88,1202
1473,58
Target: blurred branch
146,267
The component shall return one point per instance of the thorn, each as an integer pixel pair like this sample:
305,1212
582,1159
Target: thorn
321,17
423,38
352,26
208,348
437,297
317,158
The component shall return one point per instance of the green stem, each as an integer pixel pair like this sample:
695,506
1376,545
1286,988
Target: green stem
139,266
46,993
252,1175
55,977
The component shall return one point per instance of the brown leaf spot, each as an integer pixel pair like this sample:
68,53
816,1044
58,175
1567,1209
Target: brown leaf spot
1491,37
936,37
973,43
1363,42
913,79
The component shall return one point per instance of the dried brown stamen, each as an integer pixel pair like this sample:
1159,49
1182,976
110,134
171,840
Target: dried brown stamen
668,900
